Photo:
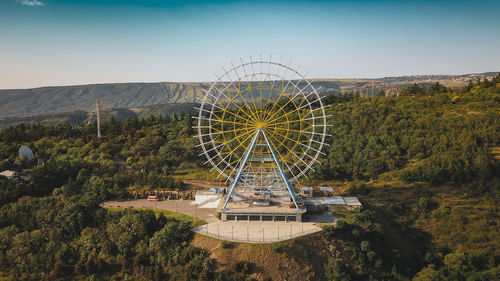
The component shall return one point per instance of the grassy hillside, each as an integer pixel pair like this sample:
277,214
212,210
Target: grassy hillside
426,169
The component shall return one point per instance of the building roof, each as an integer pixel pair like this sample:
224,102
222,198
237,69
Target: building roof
7,173
352,201
306,188
326,188
335,200
311,201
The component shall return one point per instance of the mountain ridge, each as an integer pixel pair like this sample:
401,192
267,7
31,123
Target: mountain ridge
61,99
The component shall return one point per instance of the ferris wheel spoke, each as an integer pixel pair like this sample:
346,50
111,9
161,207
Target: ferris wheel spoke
246,139
247,105
294,86
222,172
287,113
286,147
207,134
216,166
306,146
269,119
289,122
238,75
232,113
290,169
253,101
313,149
318,142
229,122
241,136
237,90
231,101
217,98
293,153
205,118
211,149
223,160
231,130
286,137
282,92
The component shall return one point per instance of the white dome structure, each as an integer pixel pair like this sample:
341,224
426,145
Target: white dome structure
25,152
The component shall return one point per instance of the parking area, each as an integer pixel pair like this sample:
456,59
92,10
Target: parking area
187,207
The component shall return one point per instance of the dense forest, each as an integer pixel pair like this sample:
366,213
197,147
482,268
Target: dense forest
429,145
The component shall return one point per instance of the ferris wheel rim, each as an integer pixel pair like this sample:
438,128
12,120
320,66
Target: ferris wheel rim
215,93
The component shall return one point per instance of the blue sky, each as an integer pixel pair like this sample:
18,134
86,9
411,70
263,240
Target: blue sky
66,42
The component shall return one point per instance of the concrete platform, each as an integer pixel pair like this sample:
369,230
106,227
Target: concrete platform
256,232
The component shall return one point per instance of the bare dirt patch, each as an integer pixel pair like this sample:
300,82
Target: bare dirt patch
297,259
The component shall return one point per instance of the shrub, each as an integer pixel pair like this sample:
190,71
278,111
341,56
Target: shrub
277,247
226,244
243,267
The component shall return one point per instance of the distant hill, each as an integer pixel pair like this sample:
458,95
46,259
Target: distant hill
50,100
54,100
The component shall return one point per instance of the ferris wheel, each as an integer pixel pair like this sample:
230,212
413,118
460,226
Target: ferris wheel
259,117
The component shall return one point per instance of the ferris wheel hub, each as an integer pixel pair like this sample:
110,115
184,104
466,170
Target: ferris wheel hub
261,125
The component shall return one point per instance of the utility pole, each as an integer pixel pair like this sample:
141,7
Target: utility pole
98,117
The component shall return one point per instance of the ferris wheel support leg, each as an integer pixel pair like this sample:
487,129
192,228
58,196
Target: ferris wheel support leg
242,166
275,157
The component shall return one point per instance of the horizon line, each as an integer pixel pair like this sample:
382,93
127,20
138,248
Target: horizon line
311,79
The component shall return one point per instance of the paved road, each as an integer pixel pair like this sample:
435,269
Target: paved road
256,232
187,207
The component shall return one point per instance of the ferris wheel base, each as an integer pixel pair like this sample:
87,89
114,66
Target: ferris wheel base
274,212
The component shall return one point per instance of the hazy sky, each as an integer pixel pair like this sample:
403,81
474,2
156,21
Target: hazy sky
65,42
